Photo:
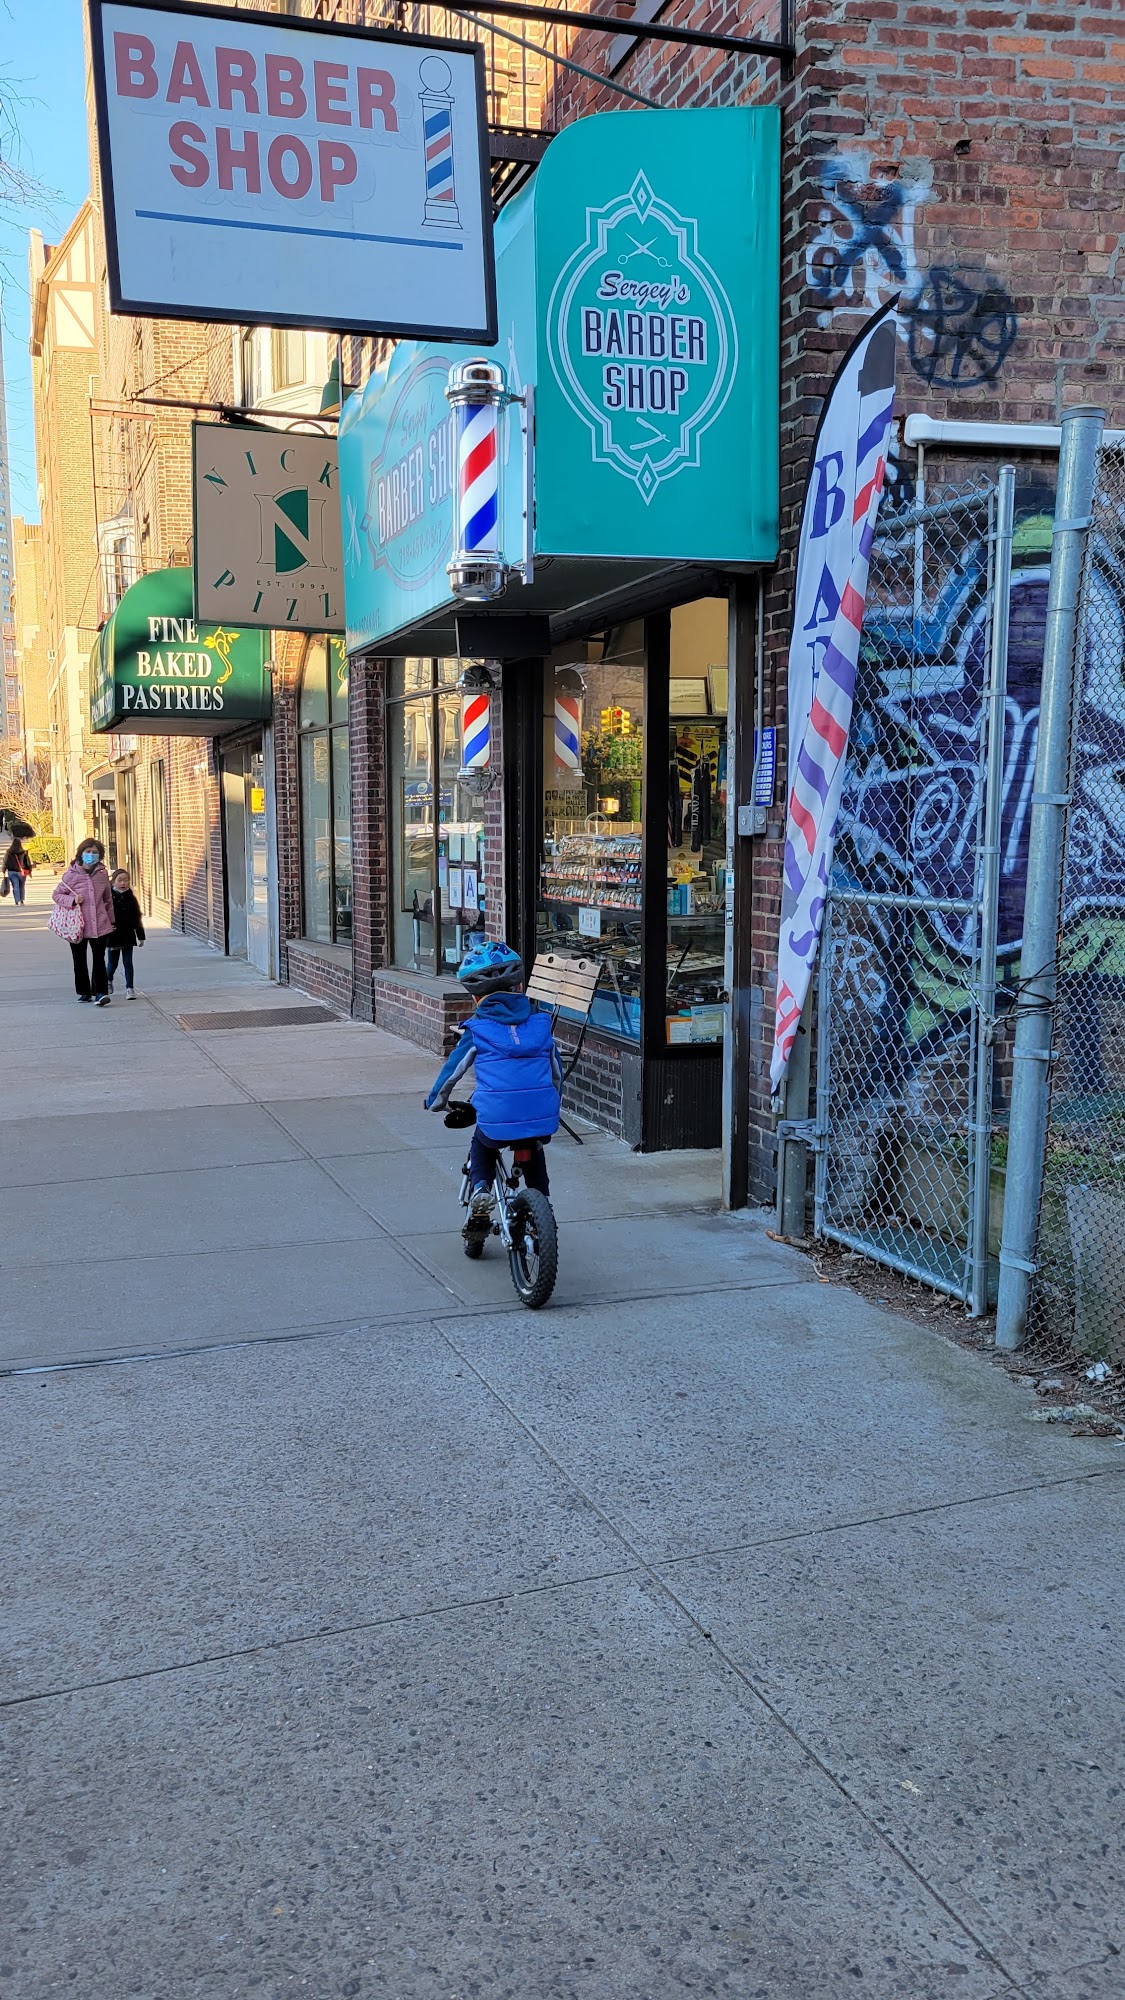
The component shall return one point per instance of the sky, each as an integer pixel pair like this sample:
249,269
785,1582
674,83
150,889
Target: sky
42,80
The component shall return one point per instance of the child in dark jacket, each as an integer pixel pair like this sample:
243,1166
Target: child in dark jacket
128,929
518,1083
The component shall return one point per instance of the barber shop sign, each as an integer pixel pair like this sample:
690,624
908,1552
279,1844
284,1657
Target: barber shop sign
642,337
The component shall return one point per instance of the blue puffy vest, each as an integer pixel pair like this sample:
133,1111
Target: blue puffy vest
515,1094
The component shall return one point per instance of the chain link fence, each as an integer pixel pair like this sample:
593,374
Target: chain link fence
904,1064
1078,1301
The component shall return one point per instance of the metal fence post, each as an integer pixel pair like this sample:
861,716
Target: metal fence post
981,1137
1081,435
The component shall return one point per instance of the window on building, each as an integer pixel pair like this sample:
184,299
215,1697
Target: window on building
158,797
287,357
632,765
593,813
437,825
325,790
130,843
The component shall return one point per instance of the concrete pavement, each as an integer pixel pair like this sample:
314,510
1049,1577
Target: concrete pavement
708,1633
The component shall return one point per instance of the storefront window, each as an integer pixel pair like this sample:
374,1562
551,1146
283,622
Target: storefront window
697,822
325,788
158,799
437,851
612,792
593,814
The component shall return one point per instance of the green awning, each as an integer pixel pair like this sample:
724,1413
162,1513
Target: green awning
155,672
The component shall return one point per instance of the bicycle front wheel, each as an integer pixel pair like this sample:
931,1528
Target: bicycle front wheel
534,1255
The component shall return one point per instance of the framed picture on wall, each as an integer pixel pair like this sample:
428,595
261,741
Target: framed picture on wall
687,696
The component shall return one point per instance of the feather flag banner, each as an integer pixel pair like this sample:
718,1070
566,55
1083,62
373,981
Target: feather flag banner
849,464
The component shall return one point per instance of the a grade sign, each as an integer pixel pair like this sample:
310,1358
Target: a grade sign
259,171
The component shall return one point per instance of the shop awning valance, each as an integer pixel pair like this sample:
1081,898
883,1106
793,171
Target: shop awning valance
155,672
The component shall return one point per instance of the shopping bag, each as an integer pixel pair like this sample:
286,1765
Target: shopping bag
67,924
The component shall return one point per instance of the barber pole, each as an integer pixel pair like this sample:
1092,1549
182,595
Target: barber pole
476,731
476,392
478,509
568,734
437,130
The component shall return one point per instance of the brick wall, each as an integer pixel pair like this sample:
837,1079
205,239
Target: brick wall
324,973
495,910
426,1011
594,1089
370,859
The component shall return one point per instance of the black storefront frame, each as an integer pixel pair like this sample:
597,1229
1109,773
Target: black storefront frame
678,1089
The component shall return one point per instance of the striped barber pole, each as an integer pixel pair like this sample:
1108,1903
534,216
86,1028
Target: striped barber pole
568,733
476,732
478,467
437,132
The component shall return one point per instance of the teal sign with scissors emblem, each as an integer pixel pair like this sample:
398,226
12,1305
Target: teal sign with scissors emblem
657,396
642,337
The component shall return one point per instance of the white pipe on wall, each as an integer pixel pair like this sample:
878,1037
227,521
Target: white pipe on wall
993,437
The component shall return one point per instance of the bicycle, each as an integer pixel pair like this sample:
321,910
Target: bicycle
525,1220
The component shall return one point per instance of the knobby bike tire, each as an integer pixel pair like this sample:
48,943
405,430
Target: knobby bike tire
532,1215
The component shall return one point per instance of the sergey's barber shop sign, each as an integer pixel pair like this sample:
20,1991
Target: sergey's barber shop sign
642,337
659,302
405,523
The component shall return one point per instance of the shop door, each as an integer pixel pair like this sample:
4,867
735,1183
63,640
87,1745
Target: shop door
257,863
235,841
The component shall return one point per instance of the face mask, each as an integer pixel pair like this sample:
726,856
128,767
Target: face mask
89,861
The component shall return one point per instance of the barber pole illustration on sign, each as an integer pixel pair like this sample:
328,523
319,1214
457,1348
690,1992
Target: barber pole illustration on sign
261,170
849,463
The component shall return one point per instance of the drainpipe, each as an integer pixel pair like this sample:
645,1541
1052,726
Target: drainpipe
1035,1018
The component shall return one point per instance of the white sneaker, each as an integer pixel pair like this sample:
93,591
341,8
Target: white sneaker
480,1207
129,993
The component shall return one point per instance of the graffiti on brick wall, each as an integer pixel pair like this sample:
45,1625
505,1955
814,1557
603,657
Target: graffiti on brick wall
958,324
909,813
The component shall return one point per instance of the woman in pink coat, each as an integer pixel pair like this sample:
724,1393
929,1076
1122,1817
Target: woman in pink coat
86,884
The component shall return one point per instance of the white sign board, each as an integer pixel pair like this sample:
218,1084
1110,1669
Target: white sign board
267,546
262,172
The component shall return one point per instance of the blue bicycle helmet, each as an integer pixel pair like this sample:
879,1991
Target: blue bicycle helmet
491,968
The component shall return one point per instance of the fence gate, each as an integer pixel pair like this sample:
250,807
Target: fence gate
1078,1299
913,917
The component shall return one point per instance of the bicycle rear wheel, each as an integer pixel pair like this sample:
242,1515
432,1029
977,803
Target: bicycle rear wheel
534,1255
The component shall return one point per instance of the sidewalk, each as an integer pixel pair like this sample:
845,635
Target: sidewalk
707,1633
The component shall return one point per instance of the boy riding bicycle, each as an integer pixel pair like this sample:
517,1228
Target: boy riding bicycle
518,1085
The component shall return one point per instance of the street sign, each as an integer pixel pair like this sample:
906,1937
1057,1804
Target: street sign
262,172
267,543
